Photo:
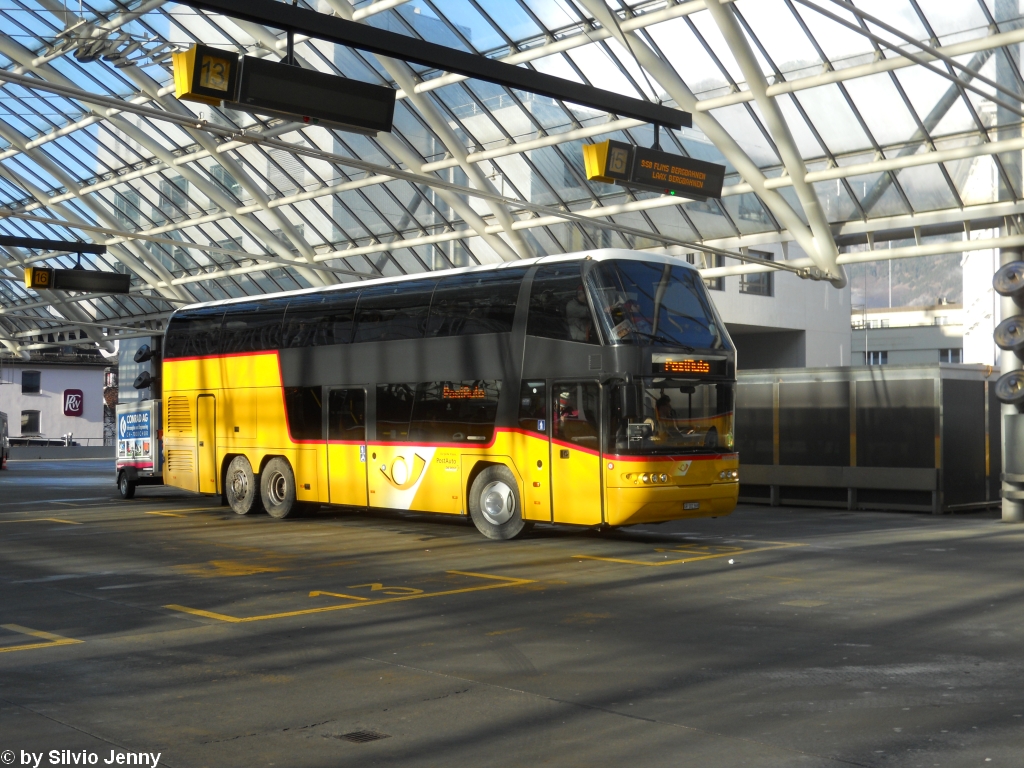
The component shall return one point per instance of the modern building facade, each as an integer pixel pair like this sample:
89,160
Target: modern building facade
909,335
780,320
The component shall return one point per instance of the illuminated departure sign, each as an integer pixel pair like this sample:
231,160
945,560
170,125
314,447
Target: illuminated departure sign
687,366
276,89
615,162
463,393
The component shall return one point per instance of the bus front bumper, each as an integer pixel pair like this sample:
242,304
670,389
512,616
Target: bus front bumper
629,506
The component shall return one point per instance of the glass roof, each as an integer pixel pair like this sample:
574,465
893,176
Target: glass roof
198,202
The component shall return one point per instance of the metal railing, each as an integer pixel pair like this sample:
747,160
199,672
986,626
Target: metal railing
66,441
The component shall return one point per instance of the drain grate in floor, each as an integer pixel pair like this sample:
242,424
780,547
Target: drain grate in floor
361,737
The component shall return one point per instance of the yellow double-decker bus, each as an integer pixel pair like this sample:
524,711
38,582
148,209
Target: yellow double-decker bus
591,389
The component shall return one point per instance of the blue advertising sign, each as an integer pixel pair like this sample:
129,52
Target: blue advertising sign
133,425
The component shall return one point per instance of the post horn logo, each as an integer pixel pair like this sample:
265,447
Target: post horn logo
400,476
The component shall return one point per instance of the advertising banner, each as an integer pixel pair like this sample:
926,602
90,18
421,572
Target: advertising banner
135,438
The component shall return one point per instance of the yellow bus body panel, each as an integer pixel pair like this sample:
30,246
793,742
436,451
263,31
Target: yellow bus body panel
690,480
346,474
533,454
575,485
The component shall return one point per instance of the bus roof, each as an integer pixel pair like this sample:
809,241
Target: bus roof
599,254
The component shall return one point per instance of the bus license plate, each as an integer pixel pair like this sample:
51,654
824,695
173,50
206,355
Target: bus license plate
691,505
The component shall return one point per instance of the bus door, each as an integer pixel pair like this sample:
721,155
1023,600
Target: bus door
346,446
576,452
206,437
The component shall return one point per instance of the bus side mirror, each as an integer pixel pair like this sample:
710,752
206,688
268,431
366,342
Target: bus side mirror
629,401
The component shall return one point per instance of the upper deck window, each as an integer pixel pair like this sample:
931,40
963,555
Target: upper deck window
558,305
397,311
475,303
653,304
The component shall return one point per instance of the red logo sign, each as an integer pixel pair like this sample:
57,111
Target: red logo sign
74,402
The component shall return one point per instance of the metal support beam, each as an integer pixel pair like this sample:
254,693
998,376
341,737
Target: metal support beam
670,80
403,74
825,251
378,41
62,246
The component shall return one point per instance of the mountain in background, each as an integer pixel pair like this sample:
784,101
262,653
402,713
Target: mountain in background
922,281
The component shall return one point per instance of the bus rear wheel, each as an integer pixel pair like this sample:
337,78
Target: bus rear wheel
494,504
240,489
277,489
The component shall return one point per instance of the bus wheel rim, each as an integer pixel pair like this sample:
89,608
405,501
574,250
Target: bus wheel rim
497,502
278,488
239,485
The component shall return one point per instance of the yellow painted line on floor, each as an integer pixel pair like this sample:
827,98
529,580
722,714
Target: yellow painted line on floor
42,520
626,561
52,639
503,581
172,512
337,594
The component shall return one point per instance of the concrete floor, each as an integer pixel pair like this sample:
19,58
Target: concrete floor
774,637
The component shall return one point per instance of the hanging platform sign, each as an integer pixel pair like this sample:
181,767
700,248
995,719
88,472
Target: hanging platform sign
278,90
615,162
86,280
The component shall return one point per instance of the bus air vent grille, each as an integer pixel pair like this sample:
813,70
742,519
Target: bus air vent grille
179,417
179,461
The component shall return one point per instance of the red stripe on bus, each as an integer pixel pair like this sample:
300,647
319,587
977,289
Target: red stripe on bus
575,447
684,457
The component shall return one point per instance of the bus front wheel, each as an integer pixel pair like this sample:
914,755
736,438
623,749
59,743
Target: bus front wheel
277,489
243,495
494,504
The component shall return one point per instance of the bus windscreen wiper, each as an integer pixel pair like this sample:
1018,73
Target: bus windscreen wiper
665,340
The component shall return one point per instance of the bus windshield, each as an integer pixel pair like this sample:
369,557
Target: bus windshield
653,304
673,416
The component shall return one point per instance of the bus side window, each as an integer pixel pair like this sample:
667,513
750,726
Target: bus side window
394,411
305,412
558,305
346,416
475,303
387,312
455,411
533,406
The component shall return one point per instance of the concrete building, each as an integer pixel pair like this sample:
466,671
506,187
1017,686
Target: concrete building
909,335
47,399
779,320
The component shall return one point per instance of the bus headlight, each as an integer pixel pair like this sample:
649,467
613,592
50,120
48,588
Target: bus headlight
645,478
729,474
662,478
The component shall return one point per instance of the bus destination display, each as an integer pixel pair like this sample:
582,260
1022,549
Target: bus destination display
674,365
661,171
